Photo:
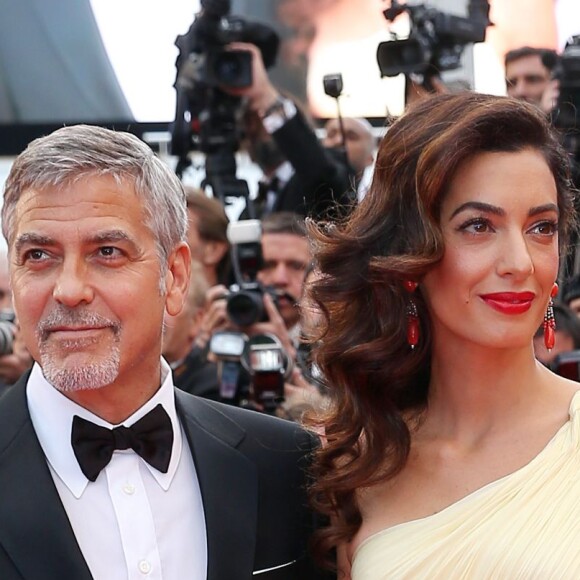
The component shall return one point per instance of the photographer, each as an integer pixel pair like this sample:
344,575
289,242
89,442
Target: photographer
191,371
14,356
529,74
286,256
359,147
207,235
303,176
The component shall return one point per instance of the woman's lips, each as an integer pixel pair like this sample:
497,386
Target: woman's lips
509,302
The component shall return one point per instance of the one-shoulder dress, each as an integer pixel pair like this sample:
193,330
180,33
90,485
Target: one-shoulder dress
525,525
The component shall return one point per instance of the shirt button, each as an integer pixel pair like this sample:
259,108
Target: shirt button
129,489
144,567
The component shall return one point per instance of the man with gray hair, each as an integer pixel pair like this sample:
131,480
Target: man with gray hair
106,471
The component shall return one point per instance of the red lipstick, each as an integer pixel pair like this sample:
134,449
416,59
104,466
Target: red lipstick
509,302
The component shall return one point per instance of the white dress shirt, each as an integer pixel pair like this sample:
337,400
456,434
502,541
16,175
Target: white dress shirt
133,522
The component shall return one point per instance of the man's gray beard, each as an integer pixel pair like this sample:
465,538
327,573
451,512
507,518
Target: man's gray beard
85,378
90,376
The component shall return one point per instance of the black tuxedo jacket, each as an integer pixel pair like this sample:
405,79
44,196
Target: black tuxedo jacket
250,470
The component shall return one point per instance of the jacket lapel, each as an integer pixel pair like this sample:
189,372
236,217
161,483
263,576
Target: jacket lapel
35,531
229,488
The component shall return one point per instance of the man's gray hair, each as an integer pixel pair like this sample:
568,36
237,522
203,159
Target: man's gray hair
73,153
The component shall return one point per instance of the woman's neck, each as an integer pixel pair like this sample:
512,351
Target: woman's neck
473,388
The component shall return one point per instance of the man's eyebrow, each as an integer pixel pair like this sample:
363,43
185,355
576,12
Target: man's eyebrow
485,207
32,239
109,236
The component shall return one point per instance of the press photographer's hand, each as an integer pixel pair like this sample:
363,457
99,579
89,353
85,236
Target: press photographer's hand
261,94
275,325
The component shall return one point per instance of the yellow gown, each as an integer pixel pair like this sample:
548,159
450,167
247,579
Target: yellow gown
525,525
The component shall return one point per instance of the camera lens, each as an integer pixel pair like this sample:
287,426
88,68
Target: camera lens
228,68
6,337
245,308
231,68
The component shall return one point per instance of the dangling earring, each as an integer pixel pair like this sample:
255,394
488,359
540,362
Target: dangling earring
550,321
412,315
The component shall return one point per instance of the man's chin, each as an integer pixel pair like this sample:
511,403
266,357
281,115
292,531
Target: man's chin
76,373
289,316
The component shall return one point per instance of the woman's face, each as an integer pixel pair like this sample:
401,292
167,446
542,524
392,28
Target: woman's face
499,222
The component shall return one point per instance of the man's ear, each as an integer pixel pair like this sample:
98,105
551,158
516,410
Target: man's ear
177,278
213,252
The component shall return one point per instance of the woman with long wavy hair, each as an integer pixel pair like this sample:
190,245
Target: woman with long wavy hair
450,451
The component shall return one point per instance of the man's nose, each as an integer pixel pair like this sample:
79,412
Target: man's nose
280,275
72,286
519,89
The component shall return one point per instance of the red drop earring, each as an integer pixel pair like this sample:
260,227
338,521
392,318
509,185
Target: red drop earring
412,315
550,321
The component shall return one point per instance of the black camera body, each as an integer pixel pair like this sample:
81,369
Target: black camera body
566,116
207,118
567,364
7,326
245,305
436,41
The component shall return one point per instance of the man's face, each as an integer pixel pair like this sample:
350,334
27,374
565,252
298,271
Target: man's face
359,141
527,79
87,285
286,257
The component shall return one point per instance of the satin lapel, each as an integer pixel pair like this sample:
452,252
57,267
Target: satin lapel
34,529
229,488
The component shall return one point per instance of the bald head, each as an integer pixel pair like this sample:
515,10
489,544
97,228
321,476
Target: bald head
360,142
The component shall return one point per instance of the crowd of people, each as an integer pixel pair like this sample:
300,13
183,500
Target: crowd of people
420,337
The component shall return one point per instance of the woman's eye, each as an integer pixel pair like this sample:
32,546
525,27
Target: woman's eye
476,226
547,228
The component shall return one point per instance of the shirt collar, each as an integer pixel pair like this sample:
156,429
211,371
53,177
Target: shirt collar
52,413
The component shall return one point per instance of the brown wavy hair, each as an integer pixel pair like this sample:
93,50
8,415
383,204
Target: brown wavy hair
376,381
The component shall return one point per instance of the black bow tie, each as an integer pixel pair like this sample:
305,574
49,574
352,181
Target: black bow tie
151,438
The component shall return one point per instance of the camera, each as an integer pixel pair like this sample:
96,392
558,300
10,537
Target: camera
245,300
567,364
436,41
566,111
245,305
207,118
269,366
7,322
251,370
333,85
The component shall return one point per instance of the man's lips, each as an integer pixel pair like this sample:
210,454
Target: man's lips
74,331
509,302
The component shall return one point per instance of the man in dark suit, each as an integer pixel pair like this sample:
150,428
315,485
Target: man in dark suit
302,176
106,471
